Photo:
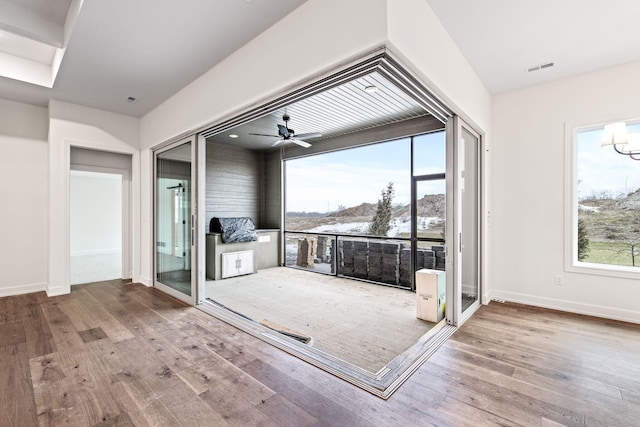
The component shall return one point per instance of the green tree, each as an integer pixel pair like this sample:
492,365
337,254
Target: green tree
583,241
382,219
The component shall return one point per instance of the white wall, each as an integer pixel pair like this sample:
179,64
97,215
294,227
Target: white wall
85,159
75,126
421,40
95,213
527,180
23,211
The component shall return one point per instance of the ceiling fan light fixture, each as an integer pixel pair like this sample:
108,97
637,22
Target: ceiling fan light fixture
233,135
285,134
633,144
614,134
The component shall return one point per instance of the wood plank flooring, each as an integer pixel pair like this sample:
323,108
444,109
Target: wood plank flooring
115,354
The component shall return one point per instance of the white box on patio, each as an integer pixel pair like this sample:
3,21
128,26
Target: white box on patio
430,291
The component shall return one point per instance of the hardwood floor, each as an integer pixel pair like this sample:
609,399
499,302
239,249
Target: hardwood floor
122,354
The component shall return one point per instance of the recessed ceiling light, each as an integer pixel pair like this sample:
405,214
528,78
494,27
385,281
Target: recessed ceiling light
132,99
233,135
371,89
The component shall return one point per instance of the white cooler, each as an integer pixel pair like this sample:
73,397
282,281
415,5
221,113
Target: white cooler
431,288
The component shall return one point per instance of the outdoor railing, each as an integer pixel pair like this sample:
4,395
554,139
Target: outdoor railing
384,260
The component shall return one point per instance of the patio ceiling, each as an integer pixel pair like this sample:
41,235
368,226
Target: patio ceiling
336,111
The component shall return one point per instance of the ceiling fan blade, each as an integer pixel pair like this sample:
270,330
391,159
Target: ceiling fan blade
301,143
264,134
276,142
309,135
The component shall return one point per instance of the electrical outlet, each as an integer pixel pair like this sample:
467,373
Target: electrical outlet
559,280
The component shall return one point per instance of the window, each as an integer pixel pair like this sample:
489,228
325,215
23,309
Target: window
338,191
605,202
359,212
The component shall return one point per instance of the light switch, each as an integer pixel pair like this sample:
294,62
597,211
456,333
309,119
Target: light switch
264,239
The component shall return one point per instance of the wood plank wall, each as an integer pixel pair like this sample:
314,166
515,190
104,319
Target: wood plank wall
272,190
233,183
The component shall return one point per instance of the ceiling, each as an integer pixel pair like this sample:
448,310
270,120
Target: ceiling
336,111
150,49
146,49
501,39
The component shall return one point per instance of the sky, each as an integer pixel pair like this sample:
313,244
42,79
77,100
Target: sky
347,178
350,177
601,169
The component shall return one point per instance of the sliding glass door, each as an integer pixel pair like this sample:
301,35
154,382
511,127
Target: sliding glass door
467,235
174,220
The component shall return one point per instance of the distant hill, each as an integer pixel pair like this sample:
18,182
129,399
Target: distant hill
306,214
431,205
632,201
611,218
364,209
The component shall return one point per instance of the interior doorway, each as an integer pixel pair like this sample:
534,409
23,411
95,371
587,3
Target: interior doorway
99,216
95,210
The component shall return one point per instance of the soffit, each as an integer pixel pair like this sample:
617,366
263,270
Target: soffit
33,36
52,10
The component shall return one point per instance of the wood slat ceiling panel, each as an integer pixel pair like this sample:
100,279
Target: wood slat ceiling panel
337,111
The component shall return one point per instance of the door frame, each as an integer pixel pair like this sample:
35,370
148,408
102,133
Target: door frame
455,252
415,240
59,211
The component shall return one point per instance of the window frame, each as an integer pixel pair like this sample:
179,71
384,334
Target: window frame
572,264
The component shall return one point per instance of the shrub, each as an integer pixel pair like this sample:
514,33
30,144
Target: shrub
583,241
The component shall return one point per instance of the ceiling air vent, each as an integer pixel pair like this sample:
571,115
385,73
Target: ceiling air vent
540,67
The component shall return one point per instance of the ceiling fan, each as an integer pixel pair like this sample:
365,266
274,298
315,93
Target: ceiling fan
285,134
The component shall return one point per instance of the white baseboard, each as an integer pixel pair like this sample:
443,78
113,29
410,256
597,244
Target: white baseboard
22,289
568,306
96,252
145,281
58,290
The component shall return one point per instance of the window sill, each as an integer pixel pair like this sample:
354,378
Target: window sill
605,270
